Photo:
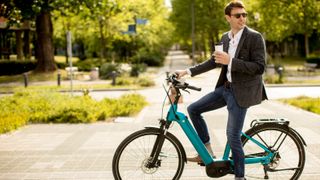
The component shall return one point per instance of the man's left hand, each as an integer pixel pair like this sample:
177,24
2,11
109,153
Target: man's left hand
221,57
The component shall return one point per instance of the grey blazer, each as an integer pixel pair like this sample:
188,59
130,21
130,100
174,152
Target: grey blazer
247,68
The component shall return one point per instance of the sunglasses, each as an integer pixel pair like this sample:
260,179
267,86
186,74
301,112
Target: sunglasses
239,14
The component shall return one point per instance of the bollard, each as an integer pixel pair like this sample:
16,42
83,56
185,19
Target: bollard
167,74
59,78
280,73
113,76
25,78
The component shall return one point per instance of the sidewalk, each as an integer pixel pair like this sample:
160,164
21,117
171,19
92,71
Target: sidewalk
85,151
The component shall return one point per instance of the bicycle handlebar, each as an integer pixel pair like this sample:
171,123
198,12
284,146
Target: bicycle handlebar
179,84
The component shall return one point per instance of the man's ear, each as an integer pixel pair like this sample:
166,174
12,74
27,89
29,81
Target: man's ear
228,18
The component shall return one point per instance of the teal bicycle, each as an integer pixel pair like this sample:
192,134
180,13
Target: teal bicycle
273,149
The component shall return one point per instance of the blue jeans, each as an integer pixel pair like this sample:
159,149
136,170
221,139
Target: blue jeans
221,97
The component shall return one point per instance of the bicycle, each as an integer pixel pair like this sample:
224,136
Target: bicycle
273,149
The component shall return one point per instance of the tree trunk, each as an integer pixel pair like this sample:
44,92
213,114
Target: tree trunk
45,50
306,44
19,44
26,44
204,47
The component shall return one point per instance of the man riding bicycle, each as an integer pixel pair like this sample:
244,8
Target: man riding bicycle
239,86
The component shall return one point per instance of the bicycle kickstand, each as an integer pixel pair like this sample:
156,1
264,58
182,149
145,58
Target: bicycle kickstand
265,167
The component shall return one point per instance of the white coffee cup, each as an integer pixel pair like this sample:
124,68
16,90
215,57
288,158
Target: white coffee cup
218,47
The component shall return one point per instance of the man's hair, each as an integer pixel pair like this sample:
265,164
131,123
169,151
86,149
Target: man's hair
231,5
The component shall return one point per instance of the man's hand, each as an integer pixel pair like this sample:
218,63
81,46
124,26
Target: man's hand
221,57
181,73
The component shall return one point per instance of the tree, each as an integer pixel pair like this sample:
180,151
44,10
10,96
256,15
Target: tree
101,11
281,19
209,20
41,10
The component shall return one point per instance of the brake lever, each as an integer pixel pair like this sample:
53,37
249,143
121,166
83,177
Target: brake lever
185,90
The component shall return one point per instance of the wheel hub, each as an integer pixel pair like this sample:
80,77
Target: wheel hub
145,166
275,162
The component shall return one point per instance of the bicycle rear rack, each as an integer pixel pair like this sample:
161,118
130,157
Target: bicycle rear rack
270,120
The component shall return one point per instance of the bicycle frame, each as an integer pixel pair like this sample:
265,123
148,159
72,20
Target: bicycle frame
183,121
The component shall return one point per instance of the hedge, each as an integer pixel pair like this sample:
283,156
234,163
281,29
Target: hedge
16,67
53,107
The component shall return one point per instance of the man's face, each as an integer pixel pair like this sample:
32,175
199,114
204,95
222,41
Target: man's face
237,18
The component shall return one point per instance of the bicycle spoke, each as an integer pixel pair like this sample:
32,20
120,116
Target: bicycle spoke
135,158
288,160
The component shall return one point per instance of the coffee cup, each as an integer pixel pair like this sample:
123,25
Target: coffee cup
218,47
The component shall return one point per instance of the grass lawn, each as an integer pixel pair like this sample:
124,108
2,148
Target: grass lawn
67,87
306,103
59,59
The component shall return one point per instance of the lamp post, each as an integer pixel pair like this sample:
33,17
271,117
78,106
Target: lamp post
69,51
192,32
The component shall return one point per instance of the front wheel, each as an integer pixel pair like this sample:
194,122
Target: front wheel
132,157
289,159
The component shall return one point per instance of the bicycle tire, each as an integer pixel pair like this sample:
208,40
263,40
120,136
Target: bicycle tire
291,152
131,155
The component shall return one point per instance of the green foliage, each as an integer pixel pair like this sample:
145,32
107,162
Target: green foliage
306,103
141,81
136,69
99,26
144,82
11,117
274,79
314,60
151,58
209,21
16,67
292,17
127,105
105,71
51,107
87,64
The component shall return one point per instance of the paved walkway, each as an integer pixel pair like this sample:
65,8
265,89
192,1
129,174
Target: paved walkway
85,151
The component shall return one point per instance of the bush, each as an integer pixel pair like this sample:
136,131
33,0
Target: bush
126,105
149,58
106,70
144,82
61,65
53,107
11,117
16,67
136,69
86,65
306,103
314,60
126,81
274,79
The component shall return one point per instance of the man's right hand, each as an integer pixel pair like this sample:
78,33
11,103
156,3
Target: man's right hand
181,73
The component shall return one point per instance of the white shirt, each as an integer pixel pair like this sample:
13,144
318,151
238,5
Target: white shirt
233,45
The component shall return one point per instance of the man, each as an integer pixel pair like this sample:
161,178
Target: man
239,86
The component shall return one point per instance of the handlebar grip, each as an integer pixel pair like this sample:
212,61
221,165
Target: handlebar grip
194,88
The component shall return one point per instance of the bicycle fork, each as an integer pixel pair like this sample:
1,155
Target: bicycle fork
153,161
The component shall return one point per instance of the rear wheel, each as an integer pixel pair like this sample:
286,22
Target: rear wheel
289,159
132,157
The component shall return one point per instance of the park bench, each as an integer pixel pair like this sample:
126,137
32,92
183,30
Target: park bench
310,67
72,71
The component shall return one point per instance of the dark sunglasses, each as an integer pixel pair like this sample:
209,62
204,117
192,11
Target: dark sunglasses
239,14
